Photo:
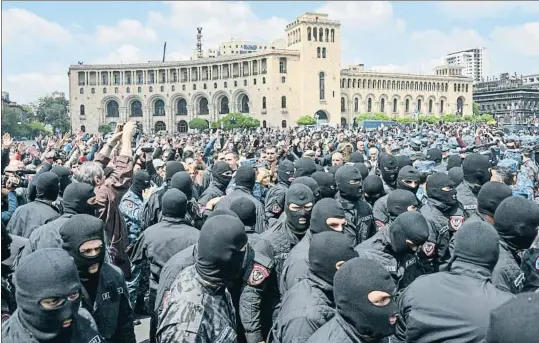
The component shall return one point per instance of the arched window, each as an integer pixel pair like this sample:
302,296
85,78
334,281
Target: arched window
466,88
263,80
181,107
245,104
458,87
354,83
82,110
215,85
349,83
283,79
321,85
92,90
245,83
139,89
136,108
455,87
369,84
150,89
254,82
116,90
383,105
394,105
283,101
419,105
407,106
203,106
308,33
318,52
159,108
264,103
441,106
162,88
323,52
384,84
343,107
112,109
173,88
283,124
223,108
225,85
315,34
460,105
356,105
430,106
363,83
327,35
379,84
160,126
183,87
342,83
332,35
320,35
369,105
128,90
104,90
81,90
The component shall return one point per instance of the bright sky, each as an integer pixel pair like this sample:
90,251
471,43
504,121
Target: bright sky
40,39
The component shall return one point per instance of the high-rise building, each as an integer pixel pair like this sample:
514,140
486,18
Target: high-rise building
475,62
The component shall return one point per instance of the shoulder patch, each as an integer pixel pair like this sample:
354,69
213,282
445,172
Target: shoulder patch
258,275
129,204
379,224
96,339
428,248
455,222
276,209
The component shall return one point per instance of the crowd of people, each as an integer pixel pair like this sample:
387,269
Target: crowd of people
411,233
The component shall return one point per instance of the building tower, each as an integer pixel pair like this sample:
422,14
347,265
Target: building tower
317,38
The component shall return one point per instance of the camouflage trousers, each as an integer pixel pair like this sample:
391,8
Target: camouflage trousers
138,286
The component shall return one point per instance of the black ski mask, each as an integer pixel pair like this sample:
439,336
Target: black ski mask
410,226
357,157
326,183
491,195
221,173
324,209
174,203
79,198
301,196
183,182
398,202
220,258
434,155
407,174
171,168
326,250
363,170
517,220
245,177
46,273
475,168
245,209
63,175
352,284
75,232
285,172
389,168
453,161
304,167
311,183
435,184
349,183
373,188
47,186
141,181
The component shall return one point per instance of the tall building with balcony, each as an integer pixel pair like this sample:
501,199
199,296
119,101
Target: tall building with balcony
475,62
298,75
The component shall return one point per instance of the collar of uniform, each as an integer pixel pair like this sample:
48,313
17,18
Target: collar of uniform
440,206
348,328
321,284
471,270
210,287
175,220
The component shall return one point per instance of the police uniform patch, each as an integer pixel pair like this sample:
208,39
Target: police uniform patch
455,222
96,339
428,248
276,208
258,275
380,225
129,205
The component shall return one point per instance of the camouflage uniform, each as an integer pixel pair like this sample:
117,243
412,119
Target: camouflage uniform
196,312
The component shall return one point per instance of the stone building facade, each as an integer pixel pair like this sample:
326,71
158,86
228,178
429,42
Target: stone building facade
276,86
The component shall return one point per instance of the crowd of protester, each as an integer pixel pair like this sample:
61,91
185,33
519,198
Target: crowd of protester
409,233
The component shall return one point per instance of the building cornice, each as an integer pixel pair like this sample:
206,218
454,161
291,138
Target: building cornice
374,74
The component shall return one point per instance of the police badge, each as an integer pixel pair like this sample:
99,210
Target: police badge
455,222
258,275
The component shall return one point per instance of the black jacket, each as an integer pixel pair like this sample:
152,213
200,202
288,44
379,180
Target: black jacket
337,330
449,306
31,216
360,223
242,192
275,202
296,266
507,274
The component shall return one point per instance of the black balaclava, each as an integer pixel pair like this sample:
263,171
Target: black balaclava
76,197
476,170
245,177
408,173
403,161
183,182
435,183
220,258
77,230
349,183
141,181
373,187
408,226
46,273
222,211
174,203
304,167
47,186
309,182
456,175
389,168
517,221
63,175
357,157
285,172
6,244
221,173
477,242
515,320
325,251
491,195
399,200
245,209
454,161
326,183
363,170
351,286
333,169
434,155
300,195
172,167
324,209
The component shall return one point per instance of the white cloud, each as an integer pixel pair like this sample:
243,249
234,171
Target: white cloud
28,87
125,54
125,30
486,9
24,27
359,13
438,43
522,39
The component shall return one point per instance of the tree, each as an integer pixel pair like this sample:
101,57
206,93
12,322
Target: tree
14,121
53,111
306,120
236,121
198,124
475,107
371,116
104,129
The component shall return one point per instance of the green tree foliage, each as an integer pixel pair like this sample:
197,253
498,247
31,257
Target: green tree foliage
236,121
306,120
476,111
198,124
371,116
17,122
53,112
450,118
105,128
